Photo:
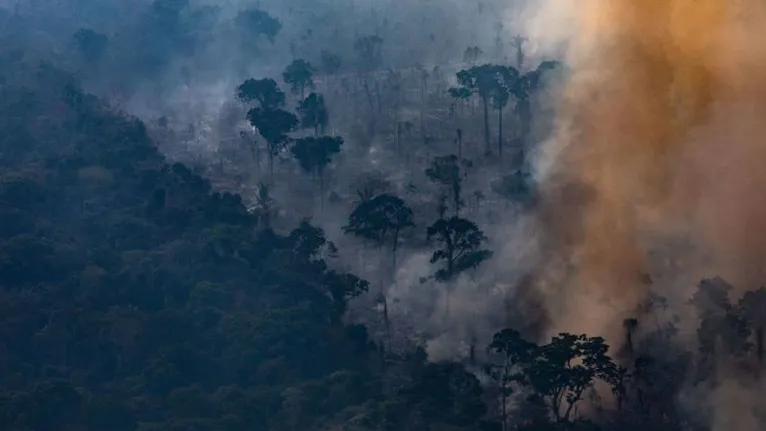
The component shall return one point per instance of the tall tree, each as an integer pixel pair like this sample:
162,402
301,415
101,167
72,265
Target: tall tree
259,23
753,306
91,45
274,125
472,55
516,352
460,95
263,207
299,75
330,62
565,368
369,51
460,244
723,329
380,219
481,80
264,91
506,85
314,154
313,113
445,171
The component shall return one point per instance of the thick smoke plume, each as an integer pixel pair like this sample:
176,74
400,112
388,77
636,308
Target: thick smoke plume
660,137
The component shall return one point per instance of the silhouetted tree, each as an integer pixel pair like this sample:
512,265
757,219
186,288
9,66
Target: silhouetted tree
313,113
314,154
264,91
369,50
273,125
564,369
259,23
298,75
330,62
753,306
445,171
723,330
516,352
472,55
91,45
481,80
507,85
380,219
263,207
460,244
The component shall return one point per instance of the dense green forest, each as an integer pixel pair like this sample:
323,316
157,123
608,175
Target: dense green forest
323,254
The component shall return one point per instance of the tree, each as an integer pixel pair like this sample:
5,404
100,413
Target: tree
481,80
314,154
445,171
461,95
723,329
263,207
313,113
460,246
753,304
330,62
518,44
369,50
564,368
264,91
516,352
91,45
298,75
273,125
527,85
472,54
506,85
380,219
259,23
516,187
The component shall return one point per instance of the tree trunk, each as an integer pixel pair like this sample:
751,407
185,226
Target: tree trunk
503,389
320,174
378,97
487,144
398,138
271,165
500,133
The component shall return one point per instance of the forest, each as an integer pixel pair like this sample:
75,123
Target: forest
351,215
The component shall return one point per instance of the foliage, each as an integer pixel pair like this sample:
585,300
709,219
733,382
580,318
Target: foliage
259,23
91,45
460,243
445,171
265,91
330,62
273,125
134,296
298,75
369,49
376,218
315,153
313,113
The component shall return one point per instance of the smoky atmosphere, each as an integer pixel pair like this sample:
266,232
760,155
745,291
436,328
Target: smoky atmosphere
382,215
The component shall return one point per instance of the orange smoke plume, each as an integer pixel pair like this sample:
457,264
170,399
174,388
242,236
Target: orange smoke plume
663,122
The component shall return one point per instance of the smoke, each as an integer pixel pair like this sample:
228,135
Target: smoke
658,137
655,168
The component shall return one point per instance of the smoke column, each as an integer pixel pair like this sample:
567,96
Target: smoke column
660,134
